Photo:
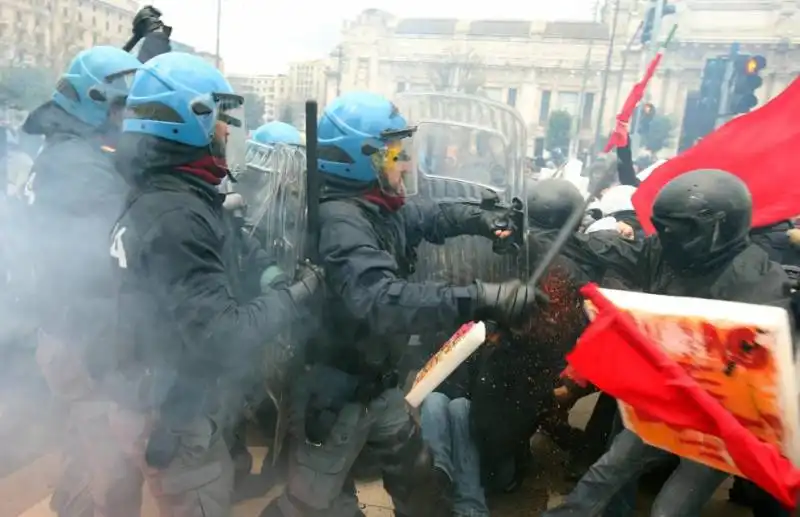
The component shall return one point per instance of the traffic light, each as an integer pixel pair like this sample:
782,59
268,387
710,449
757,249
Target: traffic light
650,18
711,84
744,82
648,113
706,103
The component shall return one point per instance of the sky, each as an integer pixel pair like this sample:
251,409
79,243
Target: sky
262,36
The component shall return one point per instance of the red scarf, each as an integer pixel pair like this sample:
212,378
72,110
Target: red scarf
382,199
207,169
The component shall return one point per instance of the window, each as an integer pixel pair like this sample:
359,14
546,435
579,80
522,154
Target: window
512,97
588,107
401,87
108,26
544,107
569,102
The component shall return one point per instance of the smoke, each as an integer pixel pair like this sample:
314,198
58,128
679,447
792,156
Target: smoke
31,419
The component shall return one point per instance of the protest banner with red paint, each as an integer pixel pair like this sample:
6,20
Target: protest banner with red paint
712,381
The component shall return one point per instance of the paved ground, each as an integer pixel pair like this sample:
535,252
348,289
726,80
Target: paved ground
29,476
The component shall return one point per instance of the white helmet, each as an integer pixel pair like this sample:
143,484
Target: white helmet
604,224
617,199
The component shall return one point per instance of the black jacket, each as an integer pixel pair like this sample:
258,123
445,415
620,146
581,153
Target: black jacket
749,276
368,253
625,169
74,196
182,333
775,241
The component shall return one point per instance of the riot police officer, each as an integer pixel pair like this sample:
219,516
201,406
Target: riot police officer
350,398
73,196
185,343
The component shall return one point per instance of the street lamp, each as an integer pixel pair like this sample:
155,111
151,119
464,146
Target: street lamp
219,26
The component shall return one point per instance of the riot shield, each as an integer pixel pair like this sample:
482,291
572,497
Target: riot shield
467,149
274,187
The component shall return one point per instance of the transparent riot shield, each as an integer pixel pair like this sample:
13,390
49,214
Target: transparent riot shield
467,149
273,185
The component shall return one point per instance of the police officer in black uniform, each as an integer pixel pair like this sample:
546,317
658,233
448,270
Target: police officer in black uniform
184,343
350,399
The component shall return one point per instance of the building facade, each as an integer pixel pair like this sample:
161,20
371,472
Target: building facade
49,33
307,80
285,95
542,66
271,88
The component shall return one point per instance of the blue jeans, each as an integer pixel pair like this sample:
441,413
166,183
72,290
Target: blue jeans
684,495
445,428
623,504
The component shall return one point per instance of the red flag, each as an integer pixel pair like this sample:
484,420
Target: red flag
619,138
655,385
760,147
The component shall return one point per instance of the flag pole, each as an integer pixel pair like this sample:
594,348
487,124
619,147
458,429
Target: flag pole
658,14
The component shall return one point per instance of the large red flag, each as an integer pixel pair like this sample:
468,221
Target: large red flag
619,138
760,147
617,358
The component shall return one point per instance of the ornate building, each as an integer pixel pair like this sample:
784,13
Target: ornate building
49,32
542,66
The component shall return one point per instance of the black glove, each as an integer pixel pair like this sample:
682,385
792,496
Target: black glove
330,392
147,20
506,302
309,279
495,219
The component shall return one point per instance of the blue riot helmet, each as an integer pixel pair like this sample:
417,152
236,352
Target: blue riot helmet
267,145
363,139
181,98
96,80
277,133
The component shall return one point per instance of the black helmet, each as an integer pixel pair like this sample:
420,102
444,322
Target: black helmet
702,218
551,202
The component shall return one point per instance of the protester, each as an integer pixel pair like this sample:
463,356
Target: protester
680,260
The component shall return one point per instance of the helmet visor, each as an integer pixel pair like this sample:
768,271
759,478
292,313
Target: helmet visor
396,172
114,88
229,142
